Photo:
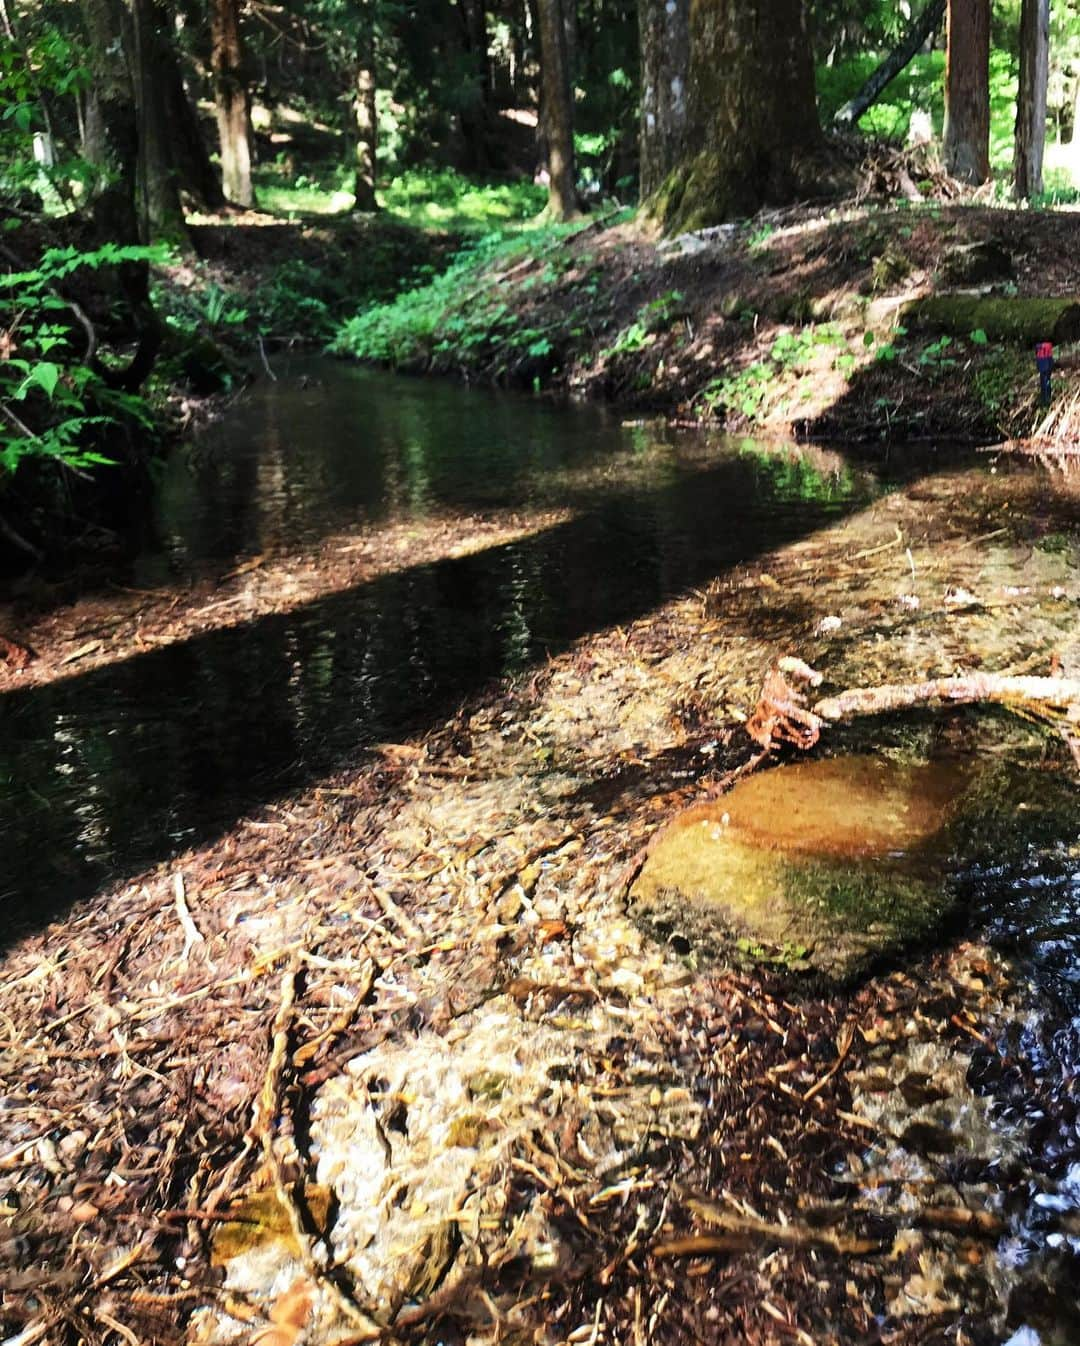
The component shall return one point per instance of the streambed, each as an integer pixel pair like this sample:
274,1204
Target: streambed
417,793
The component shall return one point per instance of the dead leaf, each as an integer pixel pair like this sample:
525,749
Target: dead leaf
288,1316
294,1306
15,655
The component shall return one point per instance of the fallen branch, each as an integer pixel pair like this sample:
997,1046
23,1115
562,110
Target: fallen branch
1061,695
897,60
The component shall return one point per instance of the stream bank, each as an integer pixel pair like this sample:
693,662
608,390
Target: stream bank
654,1149
805,323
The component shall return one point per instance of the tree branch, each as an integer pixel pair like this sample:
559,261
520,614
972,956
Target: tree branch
901,56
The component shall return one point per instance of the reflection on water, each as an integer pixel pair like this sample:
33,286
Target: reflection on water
122,765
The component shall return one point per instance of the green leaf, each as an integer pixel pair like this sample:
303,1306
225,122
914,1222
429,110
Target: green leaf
46,375
979,337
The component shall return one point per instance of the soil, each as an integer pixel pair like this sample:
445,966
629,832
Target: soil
675,327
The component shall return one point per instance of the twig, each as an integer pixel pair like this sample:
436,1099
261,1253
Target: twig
264,1124
265,361
192,934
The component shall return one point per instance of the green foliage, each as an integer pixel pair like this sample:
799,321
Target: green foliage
54,402
445,199
749,391
49,65
465,316
933,355
999,380
630,340
919,87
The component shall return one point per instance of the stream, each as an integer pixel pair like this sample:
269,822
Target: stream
108,771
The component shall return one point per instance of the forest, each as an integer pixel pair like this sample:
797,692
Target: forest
539,672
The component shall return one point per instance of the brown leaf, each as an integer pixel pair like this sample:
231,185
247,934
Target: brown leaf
294,1306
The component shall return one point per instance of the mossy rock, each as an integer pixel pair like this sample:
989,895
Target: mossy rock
1026,320
823,867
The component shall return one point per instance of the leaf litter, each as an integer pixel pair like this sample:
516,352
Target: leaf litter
389,1061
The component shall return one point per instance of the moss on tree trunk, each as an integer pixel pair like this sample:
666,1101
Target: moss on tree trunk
752,115
1026,320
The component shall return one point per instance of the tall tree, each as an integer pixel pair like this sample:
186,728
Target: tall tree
113,147
967,91
111,142
160,211
665,69
1031,98
232,99
558,110
751,112
365,113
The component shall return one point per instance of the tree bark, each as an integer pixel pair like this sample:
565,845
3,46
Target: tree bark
233,101
1031,98
113,137
897,60
196,174
115,143
665,76
475,114
366,117
751,116
967,91
558,111
161,214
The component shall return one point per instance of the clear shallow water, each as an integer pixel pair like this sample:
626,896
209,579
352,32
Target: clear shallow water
115,768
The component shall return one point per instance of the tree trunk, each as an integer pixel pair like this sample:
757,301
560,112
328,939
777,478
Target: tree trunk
115,143
665,75
898,59
233,101
558,111
367,125
161,216
751,115
1031,98
476,105
967,91
196,174
112,136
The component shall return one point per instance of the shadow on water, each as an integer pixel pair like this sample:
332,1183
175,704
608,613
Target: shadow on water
107,772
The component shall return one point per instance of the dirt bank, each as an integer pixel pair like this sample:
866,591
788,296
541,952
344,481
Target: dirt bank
794,323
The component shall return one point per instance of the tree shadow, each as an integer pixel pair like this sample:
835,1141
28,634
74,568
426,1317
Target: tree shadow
106,773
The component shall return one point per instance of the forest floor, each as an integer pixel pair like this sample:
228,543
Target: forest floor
797,323
587,1138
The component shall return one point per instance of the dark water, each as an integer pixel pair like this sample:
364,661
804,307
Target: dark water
115,768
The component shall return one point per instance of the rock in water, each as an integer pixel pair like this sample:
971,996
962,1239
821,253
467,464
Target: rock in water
819,867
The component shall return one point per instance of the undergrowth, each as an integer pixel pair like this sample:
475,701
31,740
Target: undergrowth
462,317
